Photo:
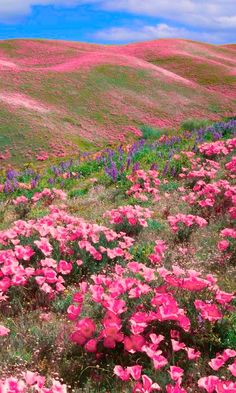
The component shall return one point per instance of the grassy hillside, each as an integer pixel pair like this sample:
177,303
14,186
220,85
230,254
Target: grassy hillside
62,97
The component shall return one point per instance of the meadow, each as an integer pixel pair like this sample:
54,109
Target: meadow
58,98
118,266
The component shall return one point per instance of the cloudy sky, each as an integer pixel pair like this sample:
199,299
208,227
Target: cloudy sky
119,21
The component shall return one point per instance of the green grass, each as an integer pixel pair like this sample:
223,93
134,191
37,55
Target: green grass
194,124
151,133
191,68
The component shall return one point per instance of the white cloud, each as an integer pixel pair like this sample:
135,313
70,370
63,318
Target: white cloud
215,18
162,30
201,13
207,13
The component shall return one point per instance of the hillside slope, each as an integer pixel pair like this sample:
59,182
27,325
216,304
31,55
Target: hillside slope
60,96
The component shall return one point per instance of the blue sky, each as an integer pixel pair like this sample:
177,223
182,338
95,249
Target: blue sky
119,21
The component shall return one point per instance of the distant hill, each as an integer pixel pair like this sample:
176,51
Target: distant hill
58,96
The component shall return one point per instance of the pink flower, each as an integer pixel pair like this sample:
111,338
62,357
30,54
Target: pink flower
177,346
91,346
64,267
176,373
135,372
134,343
223,245
192,353
4,331
208,383
224,297
232,368
32,378
175,389
86,326
45,317
20,199
208,311
146,386
44,245
217,363
73,312
122,373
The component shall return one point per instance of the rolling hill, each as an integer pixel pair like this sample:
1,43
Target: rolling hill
59,97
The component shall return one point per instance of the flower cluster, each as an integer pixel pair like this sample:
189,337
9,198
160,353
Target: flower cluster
218,147
141,316
50,248
228,244
200,169
220,195
133,215
30,382
187,219
231,165
144,184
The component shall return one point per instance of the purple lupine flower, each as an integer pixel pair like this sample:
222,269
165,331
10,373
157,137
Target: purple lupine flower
154,167
136,167
8,187
165,170
173,171
51,180
11,174
34,183
128,162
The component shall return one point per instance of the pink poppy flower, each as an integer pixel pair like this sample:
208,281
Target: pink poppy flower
208,383
4,331
122,373
232,368
147,386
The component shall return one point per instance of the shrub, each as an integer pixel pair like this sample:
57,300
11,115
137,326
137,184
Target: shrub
129,219
151,133
194,124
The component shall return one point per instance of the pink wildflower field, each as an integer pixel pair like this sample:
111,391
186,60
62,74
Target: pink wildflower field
121,278
51,85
